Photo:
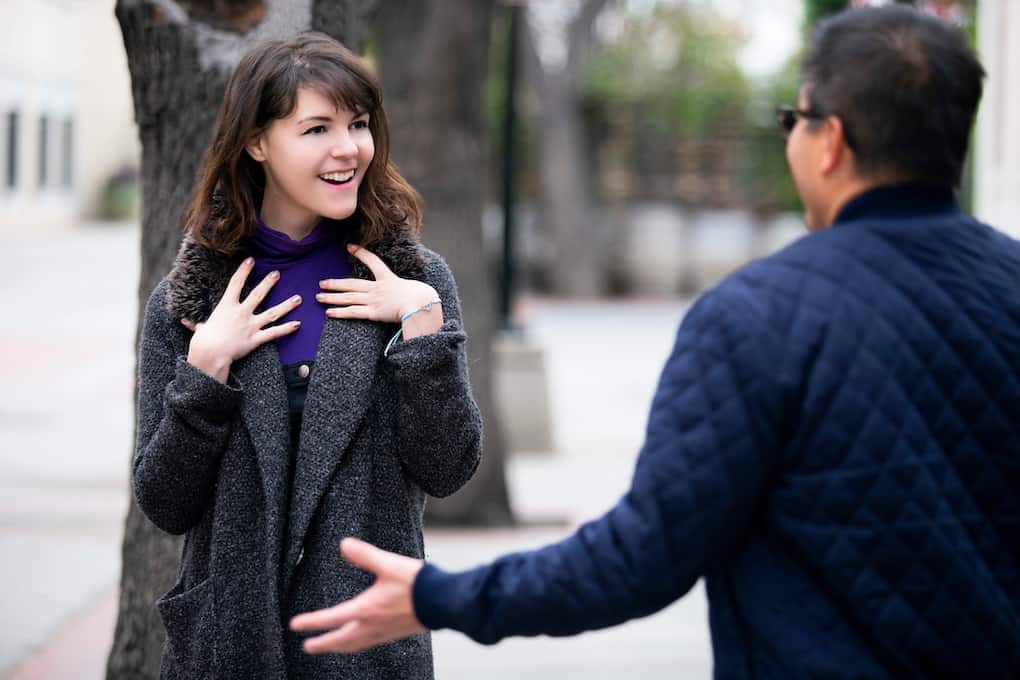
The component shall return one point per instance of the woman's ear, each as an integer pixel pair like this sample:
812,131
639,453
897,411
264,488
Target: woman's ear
254,148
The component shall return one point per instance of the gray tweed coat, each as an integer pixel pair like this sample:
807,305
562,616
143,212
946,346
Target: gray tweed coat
212,461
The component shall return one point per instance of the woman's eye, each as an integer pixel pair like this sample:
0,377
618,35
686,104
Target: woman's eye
360,124
317,130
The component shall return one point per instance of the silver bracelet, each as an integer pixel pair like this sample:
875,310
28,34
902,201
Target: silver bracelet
404,317
427,307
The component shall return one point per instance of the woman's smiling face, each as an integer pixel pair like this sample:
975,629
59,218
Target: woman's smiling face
314,161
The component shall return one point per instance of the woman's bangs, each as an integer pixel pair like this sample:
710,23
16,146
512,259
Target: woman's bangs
344,88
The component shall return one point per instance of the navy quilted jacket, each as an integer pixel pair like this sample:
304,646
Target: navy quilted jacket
834,445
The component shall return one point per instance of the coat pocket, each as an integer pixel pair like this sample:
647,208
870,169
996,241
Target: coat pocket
189,618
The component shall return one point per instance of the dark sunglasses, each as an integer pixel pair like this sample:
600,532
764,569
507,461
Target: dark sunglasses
787,117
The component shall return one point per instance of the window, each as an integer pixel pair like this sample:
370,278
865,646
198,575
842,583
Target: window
44,125
12,149
67,166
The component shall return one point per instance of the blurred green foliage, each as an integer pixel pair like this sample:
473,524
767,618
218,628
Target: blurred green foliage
676,68
672,74
665,78
816,10
765,173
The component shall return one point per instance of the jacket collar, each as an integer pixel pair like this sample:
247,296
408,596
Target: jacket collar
904,200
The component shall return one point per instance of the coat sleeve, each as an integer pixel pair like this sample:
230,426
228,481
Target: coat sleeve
440,426
701,474
184,421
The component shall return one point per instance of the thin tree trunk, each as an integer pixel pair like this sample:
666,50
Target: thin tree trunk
433,57
563,164
180,55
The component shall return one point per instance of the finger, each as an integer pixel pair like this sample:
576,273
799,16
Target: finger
277,312
273,332
351,637
365,555
323,619
189,324
259,292
371,260
352,312
343,285
342,298
236,283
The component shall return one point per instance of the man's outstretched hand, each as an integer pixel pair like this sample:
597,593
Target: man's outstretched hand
382,613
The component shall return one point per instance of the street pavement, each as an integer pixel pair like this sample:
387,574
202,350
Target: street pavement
66,387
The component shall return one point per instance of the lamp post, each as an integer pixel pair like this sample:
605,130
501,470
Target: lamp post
506,287
520,377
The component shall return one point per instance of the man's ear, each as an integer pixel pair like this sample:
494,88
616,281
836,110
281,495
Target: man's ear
835,150
254,148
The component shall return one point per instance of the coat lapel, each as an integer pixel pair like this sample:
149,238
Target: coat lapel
265,415
350,352
349,356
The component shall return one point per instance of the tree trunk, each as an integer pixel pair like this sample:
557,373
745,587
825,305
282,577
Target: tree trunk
180,55
564,165
433,59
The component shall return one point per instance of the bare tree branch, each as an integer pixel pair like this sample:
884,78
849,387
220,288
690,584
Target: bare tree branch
580,35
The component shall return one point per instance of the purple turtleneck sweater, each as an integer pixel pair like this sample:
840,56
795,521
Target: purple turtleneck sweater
302,264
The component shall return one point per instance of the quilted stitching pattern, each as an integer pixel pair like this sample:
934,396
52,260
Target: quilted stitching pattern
835,445
901,481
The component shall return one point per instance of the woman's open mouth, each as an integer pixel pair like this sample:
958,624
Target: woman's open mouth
337,178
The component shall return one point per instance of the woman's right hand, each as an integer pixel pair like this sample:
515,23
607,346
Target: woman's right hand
234,329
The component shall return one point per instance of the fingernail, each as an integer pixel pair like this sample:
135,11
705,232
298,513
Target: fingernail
352,246
296,299
322,284
319,296
296,324
275,274
249,261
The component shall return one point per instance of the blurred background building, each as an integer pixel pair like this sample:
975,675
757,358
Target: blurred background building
68,143
997,150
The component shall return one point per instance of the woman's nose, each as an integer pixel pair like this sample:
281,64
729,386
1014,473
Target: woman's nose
344,146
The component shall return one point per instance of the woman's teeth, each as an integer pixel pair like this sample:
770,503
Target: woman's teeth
337,177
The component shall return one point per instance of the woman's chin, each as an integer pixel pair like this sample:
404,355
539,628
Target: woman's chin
339,214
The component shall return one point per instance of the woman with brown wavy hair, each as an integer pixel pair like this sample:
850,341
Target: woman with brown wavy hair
302,374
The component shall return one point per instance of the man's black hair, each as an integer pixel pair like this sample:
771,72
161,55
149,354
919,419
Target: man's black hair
906,86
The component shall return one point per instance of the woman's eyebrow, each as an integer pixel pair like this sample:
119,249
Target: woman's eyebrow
317,119
328,119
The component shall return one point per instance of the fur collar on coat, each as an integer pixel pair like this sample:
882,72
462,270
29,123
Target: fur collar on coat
200,276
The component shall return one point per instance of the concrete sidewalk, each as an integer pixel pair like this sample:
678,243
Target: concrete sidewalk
65,429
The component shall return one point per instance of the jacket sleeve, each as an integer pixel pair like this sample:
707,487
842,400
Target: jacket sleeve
184,421
440,426
701,474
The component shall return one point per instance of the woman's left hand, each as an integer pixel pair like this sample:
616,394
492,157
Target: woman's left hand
385,299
